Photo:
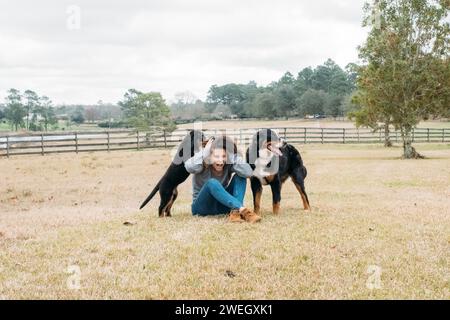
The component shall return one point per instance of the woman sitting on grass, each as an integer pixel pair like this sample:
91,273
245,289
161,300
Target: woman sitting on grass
213,193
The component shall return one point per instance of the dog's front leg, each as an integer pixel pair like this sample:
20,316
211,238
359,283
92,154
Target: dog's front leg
276,195
257,192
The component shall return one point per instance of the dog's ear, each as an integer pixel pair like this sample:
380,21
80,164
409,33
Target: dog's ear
254,148
192,135
257,144
186,146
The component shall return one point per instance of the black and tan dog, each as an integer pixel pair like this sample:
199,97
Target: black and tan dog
273,161
176,173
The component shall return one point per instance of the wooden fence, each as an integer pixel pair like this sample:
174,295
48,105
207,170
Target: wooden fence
47,143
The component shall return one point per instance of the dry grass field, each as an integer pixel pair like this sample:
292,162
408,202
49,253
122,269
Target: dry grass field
379,228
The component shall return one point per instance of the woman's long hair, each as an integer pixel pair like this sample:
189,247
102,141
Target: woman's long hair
228,144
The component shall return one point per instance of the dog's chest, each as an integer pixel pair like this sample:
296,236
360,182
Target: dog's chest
262,169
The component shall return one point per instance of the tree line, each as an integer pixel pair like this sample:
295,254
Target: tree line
32,112
319,91
324,90
28,110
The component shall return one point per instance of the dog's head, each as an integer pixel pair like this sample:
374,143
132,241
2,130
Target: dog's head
191,144
265,141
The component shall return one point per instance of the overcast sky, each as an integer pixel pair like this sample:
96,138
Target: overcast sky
167,46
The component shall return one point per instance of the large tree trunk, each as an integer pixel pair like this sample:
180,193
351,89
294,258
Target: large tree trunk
387,136
409,152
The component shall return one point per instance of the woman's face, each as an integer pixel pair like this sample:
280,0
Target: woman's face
218,159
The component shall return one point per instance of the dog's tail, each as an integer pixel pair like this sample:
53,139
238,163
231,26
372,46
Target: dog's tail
151,195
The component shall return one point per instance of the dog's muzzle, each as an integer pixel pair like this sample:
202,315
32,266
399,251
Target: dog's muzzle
275,148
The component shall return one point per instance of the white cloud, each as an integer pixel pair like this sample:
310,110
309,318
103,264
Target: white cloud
168,46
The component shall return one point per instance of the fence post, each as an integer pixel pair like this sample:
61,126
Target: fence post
443,135
137,140
42,144
107,135
322,135
76,142
357,131
428,134
343,135
165,139
306,140
413,135
240,136
285,133
7,146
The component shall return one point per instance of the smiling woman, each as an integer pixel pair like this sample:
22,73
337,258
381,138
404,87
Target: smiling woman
215,190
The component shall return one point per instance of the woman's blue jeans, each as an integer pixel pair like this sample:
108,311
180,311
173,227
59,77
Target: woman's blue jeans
215,199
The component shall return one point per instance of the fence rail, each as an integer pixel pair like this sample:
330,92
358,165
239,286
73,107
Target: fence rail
48,143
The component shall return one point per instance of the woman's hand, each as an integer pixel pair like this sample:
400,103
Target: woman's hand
209,143
207,148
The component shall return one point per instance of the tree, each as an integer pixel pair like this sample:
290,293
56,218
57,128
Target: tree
15,111
304,81
265,105
405,75
146,111
91,114
282,96
31,104
365,117
189,112
329,83
351,70
129,104
222,111
348,104
228,94
47,112
185,97
312,102
78,116
334,105
287,79
286,99
321,79
233,95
